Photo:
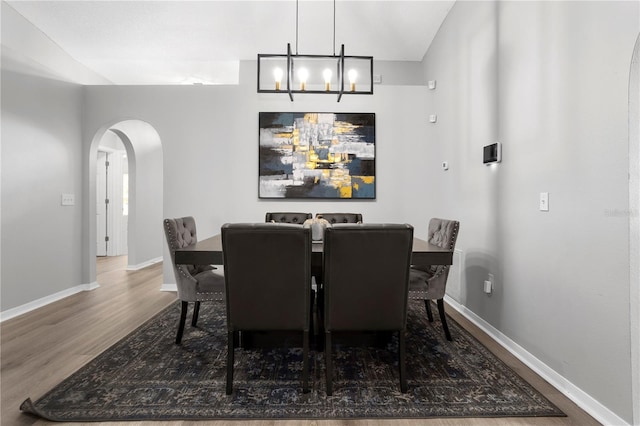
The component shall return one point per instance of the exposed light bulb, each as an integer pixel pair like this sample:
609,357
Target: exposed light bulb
277,75
327,79
303,74
353,74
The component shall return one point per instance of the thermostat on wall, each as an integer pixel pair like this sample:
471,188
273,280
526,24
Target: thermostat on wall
492,153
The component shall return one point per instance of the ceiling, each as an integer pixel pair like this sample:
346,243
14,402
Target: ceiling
178,42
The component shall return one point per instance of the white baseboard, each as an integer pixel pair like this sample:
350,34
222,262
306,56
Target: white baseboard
169,287
571,391
27,307
144,264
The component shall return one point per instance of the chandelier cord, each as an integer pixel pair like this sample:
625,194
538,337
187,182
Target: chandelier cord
334,27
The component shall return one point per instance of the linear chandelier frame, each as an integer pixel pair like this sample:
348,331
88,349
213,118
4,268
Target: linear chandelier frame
356,67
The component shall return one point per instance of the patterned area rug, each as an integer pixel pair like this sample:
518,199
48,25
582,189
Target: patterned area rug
146,376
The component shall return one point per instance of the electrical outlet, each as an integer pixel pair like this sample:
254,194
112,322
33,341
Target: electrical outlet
488,284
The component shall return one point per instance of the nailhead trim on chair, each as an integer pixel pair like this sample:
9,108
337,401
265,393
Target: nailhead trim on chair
173,249
419,295
217,297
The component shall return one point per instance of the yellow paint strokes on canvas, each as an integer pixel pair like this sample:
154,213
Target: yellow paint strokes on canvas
345,192
296,137
311,118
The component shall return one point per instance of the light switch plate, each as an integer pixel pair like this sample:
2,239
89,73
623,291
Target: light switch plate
544,201
68,199
433,118
432,84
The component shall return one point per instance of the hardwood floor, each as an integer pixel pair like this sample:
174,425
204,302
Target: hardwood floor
42,347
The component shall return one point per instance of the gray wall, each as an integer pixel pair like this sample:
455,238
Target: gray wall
209,139
550,81
41,159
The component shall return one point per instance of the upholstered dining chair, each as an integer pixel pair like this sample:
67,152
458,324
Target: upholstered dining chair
268,284
340,217
195,283
358,297
297,218
430,282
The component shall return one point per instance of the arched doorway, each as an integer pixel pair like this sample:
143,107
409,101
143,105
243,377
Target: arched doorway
145,169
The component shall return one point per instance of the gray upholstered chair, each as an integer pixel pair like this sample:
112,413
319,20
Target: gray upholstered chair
358,297
268,284
287,217
196,283
430,282
340,217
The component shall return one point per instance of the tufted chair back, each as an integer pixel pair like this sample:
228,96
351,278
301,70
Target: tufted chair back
340,217
442,233
195,283
180,233
430,282
287,217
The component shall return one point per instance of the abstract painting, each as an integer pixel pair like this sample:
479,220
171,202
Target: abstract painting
317,155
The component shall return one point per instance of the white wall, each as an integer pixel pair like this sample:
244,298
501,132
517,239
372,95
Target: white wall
550,81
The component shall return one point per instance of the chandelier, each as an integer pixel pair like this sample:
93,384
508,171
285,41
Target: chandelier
315,74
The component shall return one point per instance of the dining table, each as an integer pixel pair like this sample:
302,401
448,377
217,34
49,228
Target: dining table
209,252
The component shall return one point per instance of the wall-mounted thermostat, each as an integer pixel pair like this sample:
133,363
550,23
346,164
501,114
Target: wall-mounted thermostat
492,153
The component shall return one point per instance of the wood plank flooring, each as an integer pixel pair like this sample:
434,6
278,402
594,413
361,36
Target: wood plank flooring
42,347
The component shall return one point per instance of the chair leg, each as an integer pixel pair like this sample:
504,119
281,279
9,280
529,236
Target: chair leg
427,304
183,319
230,353
401,361
327,359
196,312
443,319
311,313
305,362
320,319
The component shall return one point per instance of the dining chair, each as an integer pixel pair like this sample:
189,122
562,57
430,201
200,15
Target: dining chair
340,217
297,218
268,284
358,297
430,282
195,283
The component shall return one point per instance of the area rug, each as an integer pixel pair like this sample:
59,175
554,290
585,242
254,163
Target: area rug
146,376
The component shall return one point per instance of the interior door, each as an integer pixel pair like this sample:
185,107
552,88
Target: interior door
102,239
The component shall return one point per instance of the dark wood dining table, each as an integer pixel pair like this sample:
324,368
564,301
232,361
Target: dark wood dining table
209,252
